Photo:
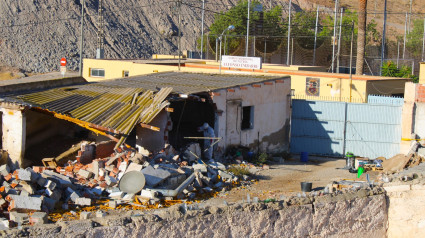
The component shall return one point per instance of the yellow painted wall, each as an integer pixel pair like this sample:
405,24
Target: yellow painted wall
331,86
422,73
331,89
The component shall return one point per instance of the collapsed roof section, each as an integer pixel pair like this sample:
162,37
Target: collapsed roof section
112,110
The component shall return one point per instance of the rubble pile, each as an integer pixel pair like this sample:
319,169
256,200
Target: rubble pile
126,176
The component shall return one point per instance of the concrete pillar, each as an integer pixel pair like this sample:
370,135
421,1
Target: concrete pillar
407,120
14,135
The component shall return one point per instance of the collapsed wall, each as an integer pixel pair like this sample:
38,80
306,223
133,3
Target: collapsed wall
346,215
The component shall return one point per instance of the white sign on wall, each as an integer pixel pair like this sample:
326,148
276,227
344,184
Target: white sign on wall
241,62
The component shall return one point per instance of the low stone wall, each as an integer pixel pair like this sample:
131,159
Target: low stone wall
406,210
327,216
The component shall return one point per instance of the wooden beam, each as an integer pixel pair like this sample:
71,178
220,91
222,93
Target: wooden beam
154,128
169,109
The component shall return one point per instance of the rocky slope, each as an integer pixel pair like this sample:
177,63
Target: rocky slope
34,34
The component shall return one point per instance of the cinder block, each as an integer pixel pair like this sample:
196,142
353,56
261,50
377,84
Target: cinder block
23,203
134,167
155,176
27,187
49,203
17,217
55,194
4,224
24,175
113,204
50,185
129,197
38,218
110,181
200,167
83,201
85,174
116,195
100,214
225,175
4,170
41,181
85,215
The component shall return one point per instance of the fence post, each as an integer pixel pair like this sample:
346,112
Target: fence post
339,41
333,40
315,36
289,31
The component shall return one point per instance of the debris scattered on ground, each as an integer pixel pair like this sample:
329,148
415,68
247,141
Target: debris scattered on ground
92,184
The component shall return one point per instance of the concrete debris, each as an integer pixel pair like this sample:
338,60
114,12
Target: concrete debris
30,194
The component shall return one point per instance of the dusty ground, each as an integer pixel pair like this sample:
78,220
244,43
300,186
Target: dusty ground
285,178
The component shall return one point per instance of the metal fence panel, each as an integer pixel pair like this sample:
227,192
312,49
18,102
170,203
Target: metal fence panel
372,130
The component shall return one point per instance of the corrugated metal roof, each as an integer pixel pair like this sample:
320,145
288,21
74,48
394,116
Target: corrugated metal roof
189,83
116,106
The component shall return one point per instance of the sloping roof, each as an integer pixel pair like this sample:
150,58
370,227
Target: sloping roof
114,107
189,83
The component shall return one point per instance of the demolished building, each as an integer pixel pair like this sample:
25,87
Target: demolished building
149,111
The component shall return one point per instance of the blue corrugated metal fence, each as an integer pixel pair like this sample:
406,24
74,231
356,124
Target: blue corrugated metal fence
372,130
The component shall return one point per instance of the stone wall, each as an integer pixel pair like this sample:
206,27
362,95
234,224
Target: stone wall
406,210
338,217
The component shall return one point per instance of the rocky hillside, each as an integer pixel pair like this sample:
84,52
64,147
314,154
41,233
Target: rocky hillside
35,34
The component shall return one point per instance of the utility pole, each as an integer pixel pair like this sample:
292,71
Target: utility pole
405,32
82,39
410,16
339,41
179,49
334,38
315,36
202,29
289,31
383,37
423,43
100,33
247,29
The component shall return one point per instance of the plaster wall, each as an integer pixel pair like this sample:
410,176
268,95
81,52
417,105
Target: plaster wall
271,116
419,119
14,135
153,140
406,210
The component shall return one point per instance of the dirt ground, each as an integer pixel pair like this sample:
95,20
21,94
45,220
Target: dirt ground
285,179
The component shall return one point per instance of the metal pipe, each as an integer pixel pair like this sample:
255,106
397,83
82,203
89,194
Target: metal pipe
351,57
405,32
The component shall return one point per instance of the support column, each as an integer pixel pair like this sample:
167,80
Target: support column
14,135
407,119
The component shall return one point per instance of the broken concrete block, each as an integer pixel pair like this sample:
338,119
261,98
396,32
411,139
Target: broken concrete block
23,203
100,214
2,202
85,174
85,215
129,197
4,170
63,180
49,203
97,190
38,218
24,193
55,194
42,181
4,224
17,217
134,167
27,187
113,204
200,167
116,195
123,166
217,165
110,181
83,201
225,175
24,175
34,175
50,185
95,169
155,176
72,195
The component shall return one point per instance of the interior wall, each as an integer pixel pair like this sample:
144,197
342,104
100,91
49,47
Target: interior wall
42,126
153,140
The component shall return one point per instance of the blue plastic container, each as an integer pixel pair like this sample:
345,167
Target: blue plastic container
304,157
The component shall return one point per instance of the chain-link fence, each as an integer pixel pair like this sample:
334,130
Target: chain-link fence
403,47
